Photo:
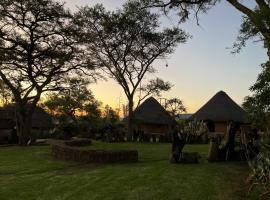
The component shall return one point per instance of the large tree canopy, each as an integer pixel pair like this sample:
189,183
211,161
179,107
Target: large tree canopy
256,20
126,43
37,50
74,99
184,8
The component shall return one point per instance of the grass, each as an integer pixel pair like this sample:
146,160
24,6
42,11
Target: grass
31,173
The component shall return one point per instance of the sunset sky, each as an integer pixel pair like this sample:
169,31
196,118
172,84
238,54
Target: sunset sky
201,67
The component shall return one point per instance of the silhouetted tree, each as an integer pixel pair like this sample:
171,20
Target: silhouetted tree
184,8
5,93
110,114
126,43
37,50
154,87
258,115
175,106
74,99
256,20
110,124
77,111
93,111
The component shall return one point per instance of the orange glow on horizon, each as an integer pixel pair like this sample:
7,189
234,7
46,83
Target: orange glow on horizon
110,93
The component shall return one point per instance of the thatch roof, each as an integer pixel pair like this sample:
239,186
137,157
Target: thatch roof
40,118
151,112
221,108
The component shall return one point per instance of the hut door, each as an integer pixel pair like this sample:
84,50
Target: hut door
211,126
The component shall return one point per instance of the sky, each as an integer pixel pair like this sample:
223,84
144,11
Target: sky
201,67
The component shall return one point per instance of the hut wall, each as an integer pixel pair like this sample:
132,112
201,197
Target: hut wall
155,128
221,127
41,133
5,134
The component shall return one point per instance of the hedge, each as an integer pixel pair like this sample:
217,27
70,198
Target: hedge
64,152
78,142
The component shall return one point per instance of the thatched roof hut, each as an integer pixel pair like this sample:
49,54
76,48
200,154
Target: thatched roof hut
41,124
40,118
151,118
6,119
152,112
221,110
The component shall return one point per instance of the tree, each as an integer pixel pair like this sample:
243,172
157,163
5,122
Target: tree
256,21
126,43
5,94
175,106
93,111
256,114
110,115
75,99
37,50
258,104
256,25
153,87
183,8
75,108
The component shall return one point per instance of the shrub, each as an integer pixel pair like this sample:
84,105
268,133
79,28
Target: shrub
260,166
195,132
65,130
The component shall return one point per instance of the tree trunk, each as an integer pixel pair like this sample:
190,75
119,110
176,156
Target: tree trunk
130,119
177,147
24,125
228,151
231,143
268,53
213,151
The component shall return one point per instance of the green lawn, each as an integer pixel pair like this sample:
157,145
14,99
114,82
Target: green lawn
31,173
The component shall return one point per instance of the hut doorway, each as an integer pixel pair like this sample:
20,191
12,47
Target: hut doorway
211,126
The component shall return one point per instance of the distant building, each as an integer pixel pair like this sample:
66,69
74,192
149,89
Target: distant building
219,111
151,118
183,116
42,123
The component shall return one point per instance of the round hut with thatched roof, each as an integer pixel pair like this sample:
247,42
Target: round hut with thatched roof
152,119
219,111
42,122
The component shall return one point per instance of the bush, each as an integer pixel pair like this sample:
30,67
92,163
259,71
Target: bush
112,132
196,132
65,131
260,166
